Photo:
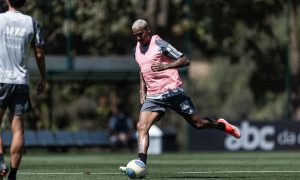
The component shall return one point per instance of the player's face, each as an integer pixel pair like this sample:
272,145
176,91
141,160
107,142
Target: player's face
141,34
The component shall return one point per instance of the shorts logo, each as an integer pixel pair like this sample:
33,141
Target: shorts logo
185,105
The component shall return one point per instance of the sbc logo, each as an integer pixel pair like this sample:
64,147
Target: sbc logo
252,138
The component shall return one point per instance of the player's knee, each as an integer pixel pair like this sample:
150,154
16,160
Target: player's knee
141,126
196,121
199,123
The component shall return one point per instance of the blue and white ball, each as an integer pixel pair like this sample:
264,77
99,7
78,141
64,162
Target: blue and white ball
136,169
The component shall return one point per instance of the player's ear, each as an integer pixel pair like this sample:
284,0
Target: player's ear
148,29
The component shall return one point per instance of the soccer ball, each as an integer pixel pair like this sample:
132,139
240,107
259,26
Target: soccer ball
136,169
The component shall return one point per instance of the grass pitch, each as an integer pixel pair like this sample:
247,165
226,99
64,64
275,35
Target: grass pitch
200,165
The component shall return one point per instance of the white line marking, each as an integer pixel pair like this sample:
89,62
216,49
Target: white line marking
66,173
200,172
212,172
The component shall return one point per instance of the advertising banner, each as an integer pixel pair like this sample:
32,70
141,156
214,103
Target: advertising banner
266,136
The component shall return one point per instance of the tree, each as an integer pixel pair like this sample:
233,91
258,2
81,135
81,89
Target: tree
235,30
294,59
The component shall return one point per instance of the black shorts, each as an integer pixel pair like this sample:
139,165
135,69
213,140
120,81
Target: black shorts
180,103
16,98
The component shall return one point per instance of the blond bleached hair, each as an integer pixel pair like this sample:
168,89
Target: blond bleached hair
140,23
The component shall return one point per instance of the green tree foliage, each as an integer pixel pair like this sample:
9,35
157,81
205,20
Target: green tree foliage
239,30
250,31
249,36
96,27
105,25
225,92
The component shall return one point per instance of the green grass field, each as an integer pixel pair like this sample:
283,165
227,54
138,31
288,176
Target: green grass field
200,165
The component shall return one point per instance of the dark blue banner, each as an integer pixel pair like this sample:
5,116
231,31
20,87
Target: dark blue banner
265,136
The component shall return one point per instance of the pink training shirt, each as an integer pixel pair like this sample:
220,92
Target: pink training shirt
161,81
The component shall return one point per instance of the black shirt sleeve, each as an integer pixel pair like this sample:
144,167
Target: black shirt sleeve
38,35
168,49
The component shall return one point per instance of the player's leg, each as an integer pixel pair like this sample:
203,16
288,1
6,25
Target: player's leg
17,145
202,123
3,165
221,124
5,94
151,111
19,105
183,105
146,120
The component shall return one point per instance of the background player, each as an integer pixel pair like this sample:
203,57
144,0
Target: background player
18,32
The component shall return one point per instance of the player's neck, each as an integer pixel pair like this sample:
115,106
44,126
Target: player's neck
12,9
147,42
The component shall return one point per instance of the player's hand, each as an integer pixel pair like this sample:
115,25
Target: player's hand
158,66
41,86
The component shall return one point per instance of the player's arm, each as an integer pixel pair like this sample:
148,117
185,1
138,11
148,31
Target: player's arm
180,60
143,89
40,60
37,45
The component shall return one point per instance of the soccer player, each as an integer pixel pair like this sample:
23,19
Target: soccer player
18,32
161,87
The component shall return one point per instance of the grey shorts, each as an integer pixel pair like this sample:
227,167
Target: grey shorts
15,97
180,103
